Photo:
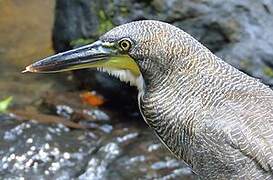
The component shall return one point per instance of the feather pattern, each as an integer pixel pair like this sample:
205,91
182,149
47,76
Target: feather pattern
214,117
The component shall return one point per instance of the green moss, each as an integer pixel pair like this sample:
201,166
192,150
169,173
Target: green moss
80,42
111,8
105,22
268,71
124,11
246,64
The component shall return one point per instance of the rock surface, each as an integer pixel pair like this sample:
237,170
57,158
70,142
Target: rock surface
240,32
99,144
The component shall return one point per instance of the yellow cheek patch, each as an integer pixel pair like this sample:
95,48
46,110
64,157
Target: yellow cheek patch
122,62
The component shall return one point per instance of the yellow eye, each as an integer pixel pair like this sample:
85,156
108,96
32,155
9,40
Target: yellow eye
125,44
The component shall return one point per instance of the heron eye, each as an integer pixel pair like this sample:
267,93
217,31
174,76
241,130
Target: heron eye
125,44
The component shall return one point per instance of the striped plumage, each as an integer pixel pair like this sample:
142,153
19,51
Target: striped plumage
214,117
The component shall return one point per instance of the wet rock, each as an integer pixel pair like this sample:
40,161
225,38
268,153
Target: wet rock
107,145
240,32
69,105
36,151
32,150
97,166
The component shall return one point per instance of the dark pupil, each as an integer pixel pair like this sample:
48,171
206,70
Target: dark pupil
124,45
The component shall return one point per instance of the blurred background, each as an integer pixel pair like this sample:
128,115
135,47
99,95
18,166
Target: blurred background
85,124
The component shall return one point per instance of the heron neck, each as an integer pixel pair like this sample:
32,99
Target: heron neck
172,104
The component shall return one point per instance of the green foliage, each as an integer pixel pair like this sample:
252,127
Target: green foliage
246,64
124,11
105,23
4,104
268,71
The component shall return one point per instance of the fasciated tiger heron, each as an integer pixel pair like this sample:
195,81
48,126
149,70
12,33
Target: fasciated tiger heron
209,114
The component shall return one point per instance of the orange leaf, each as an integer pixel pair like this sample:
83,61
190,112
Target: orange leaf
92,98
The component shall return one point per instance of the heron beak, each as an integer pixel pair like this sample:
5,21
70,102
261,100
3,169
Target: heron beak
95,55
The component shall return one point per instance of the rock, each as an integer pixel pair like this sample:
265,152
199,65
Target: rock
33,150
110,145
240,32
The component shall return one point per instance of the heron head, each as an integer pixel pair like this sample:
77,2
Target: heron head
127,51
